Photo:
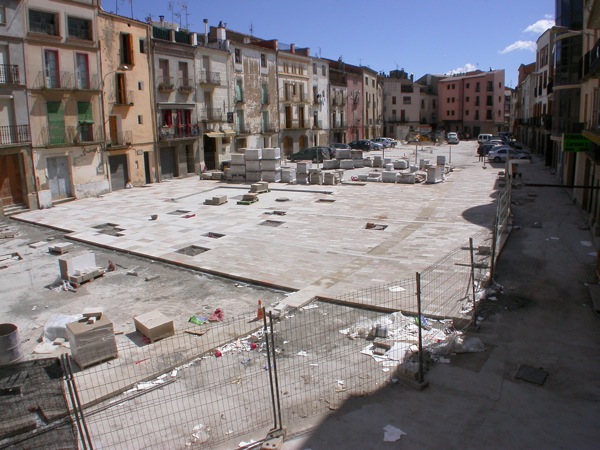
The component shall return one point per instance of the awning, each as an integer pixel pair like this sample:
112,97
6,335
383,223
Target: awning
164,105
214,134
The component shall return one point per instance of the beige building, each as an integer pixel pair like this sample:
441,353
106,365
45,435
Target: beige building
63,78
127,95
402,104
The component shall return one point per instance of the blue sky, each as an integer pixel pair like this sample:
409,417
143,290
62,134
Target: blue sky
421,36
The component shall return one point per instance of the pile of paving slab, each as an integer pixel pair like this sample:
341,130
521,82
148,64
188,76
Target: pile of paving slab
264,164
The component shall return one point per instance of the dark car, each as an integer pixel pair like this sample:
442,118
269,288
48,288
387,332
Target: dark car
314,154
362,144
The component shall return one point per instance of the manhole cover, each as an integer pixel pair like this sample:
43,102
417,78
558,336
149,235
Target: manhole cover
178,212
192,250
213,235
531,374
272,223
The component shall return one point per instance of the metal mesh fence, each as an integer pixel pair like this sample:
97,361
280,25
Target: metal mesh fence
212,383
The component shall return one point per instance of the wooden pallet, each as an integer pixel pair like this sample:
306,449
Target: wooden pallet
77,281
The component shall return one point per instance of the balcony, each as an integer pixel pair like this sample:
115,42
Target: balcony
297,125
14,134
85,133
53,79
124,98
267,128
165,84
9,74
56,136
317,125
119,139
210,78
211,114
185,85
243,128
188,131
339,126
86,82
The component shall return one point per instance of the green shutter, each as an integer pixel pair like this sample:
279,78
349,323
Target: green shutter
84,113
56,123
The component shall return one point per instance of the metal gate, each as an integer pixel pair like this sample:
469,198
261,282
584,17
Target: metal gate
118,171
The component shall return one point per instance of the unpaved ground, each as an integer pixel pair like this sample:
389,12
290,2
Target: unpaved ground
28,301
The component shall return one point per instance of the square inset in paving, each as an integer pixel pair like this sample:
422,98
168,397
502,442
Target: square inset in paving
178,212
375,226
213,235
192,250
271,223
531,374
112,229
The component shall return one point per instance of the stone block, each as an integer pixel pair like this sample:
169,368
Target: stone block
253,166
253,176
238,158
272,176
271,153
270,165
253,154
154,325
400,164
389,177
343,153
356,154
302,167
288,175
346,164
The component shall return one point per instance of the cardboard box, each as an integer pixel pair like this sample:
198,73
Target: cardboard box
91,343
154,325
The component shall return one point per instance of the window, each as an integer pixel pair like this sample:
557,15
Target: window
140,120
476,114
489,115
490,86
43,22
127,49
121,93
239,91
489,101
422,103
406,100
82,75
467,112
263,60
314,68
238,56
373,82
51,70
142,46
324,70
468,84
140,85
467,99
477,89
477,101
2,15
79,28
394,100
86,121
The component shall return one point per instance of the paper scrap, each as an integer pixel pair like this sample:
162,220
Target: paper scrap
392,434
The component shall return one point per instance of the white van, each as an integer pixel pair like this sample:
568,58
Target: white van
483,138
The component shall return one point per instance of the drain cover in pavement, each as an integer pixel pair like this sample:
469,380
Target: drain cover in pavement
531,374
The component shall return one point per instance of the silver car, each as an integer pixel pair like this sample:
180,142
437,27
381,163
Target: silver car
502,152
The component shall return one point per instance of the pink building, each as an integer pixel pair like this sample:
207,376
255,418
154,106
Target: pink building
472,103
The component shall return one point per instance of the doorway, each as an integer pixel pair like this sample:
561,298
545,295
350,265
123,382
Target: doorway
11,181
58,177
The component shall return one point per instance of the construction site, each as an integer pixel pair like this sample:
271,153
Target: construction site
208,313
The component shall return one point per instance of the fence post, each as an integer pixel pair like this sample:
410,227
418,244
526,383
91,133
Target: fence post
493,253
473,279
420,328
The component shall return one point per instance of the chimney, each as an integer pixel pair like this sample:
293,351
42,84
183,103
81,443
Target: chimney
162,21
292,48
221,34
205,31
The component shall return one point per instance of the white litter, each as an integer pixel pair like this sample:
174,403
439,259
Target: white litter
302,353
245,444
586,243
392,434
396,289
311,306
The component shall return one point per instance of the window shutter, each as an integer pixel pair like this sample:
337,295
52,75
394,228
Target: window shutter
130,49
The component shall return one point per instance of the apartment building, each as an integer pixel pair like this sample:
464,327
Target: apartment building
63,78
402,104
254,84
127,101
355,109
372,104
17,181
293,78
472,103
319,80
338,101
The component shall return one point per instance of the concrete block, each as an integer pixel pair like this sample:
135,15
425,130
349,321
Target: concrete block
272,176
400,164
95,311
288,175
154,325
60,248
270,165
343,153
217,175
315,178
406,178
238,169
435,174
389,167
359,163
253,176
367,162
377,161
271,153
374,176
253,166
363,176
303,166
346,164
389,177
238,158
253,154
441,160
356,154
424,163
302,178
331,178
329,164
76,265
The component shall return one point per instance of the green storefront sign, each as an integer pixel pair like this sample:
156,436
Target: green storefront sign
574,142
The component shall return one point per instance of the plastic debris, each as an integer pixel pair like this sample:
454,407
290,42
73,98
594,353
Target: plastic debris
217,316
392,434
198,320
302,353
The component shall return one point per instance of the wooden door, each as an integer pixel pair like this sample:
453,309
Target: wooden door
11,183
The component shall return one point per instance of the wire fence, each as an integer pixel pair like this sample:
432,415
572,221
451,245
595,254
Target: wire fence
218,382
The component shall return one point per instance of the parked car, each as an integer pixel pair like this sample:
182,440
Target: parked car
483,138
516,145
390,142
314,154
383,141
377,146
485,148
452,138
339,145
502,152
362,144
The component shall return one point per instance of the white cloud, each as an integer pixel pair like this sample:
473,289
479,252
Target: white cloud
519,45
466,68
540,26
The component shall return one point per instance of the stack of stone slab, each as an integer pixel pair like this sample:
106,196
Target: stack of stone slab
253,164
302,169
400,164
315,176
377,161
238,167
217,200
332,178
357,158
435,174
389,175
270,164
329,164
